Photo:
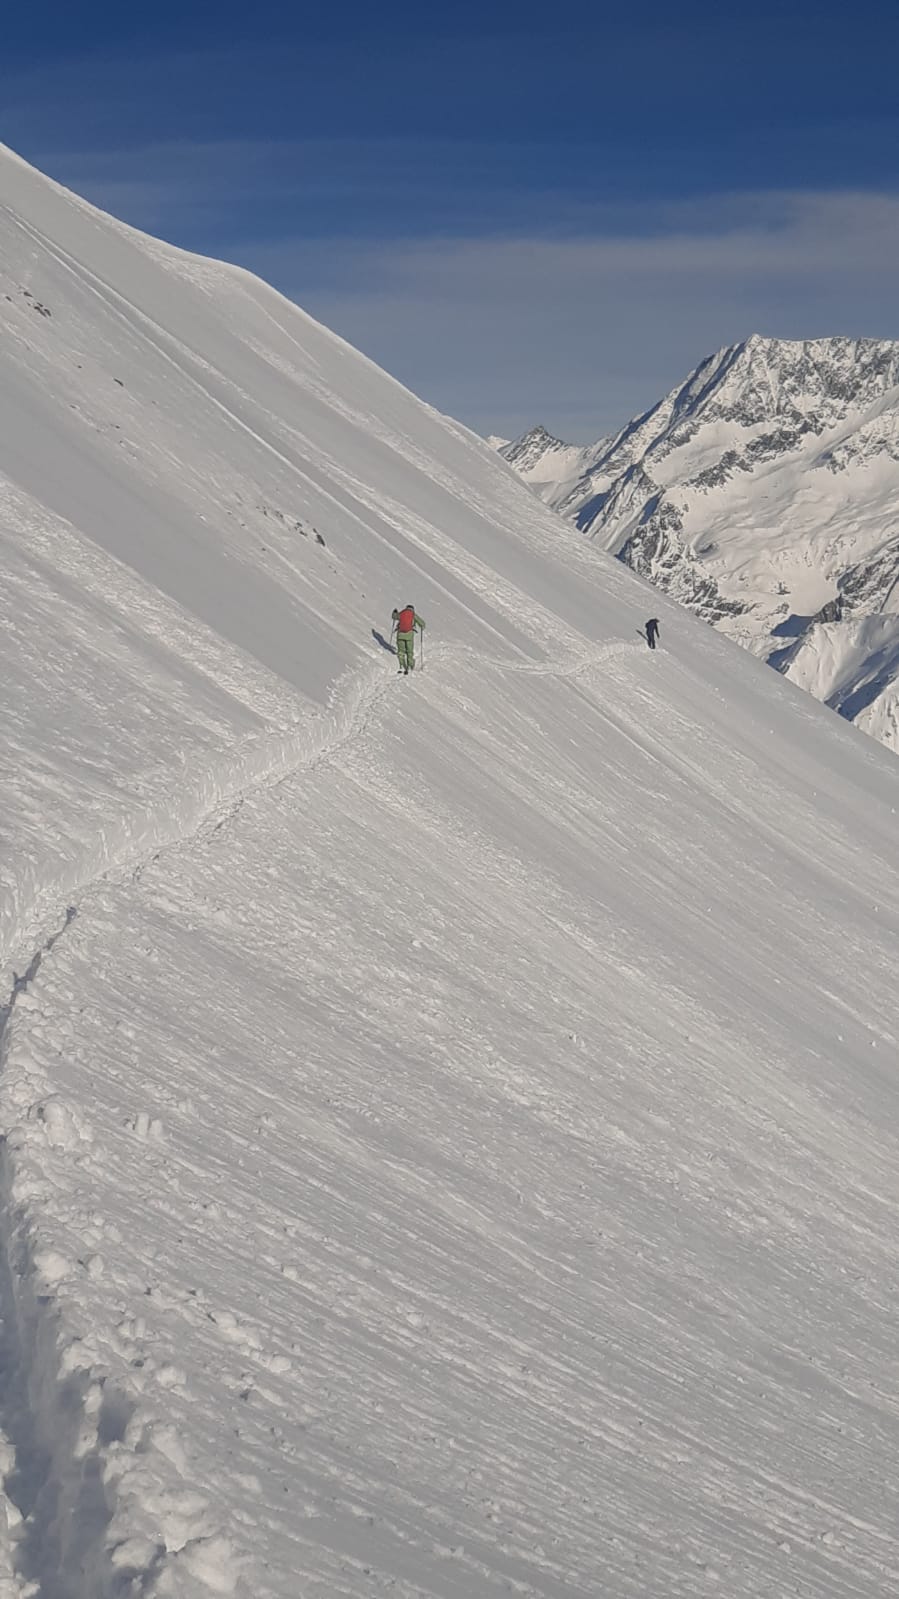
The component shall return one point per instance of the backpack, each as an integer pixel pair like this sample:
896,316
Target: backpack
405,622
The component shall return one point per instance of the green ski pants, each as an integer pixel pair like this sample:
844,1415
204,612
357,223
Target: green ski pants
405,649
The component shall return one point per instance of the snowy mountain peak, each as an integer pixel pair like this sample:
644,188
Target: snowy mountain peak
756,492
788,388
531,447
540,458
825,378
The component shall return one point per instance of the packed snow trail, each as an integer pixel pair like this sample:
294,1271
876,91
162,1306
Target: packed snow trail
451,1150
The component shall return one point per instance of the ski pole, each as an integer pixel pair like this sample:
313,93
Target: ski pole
421,648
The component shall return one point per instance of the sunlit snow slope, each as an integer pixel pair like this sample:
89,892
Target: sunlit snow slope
450,1134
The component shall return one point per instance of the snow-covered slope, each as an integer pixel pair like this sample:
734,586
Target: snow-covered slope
761,493
448,1124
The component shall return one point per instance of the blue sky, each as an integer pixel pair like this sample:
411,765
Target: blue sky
527,212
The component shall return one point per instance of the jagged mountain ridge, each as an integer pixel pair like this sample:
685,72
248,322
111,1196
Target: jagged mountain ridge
764,494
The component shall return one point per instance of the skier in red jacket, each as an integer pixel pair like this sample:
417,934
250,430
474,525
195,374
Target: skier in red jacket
405,622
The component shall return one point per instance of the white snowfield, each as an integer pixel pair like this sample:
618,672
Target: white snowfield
450,1134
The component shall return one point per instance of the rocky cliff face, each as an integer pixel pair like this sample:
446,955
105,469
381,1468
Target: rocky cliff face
764,494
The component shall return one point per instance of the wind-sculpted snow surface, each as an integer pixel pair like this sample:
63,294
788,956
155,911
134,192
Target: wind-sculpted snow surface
448,1123
763,494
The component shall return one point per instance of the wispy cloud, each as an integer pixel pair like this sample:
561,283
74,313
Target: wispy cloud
511,303
338,187
581,332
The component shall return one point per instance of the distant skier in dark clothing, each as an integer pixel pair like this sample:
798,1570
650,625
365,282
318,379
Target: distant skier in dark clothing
652,631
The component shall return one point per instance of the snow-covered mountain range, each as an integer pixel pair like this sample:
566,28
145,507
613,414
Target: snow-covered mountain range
764,494
448,1124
